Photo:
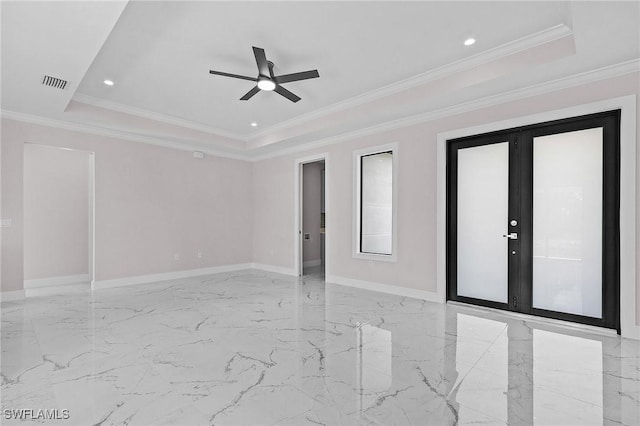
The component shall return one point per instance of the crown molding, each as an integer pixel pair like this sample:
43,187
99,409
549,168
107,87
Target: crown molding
155,116
507,49
123,135
598,74
258,154
525,43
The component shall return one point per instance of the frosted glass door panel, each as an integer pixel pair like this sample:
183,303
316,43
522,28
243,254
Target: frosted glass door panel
483,206
567,222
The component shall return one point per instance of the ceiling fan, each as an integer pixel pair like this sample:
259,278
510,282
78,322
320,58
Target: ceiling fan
266,80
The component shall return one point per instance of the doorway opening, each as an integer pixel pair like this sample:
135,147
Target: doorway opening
311,216
313,219
58,219
533,219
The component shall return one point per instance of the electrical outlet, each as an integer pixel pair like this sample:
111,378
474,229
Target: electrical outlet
199,254
176,256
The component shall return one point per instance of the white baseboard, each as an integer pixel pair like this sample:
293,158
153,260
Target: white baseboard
385,288
83,287
142,279
309,263
10,296
277,269
47,286
630,330
57,281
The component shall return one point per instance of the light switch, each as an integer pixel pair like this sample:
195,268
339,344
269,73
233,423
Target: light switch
6,223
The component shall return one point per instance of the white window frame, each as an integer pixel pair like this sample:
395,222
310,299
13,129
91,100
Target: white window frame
357,155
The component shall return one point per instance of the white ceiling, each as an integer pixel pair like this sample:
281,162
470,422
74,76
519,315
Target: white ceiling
39,38
159,54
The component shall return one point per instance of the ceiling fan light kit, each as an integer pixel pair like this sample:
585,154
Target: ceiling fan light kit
266,84
266,80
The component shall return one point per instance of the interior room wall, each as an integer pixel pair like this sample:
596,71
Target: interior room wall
416,262
11,249
311,208
273,227
1,230
155,203
155,208
56,212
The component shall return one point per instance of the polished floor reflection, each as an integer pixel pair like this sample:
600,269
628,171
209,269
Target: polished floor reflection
253,348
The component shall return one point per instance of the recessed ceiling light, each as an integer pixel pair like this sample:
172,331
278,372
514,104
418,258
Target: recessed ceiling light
108,82
469,41
254,124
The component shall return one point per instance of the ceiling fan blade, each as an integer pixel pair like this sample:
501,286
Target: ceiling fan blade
261,61
226,74
250,94
296,76
287,94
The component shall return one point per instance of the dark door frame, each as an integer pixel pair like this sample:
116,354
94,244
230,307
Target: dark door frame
521,201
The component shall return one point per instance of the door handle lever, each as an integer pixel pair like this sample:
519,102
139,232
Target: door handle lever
511,236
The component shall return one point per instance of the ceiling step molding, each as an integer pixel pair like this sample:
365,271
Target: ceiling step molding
276,150
155,116
604,73
525,43
180,145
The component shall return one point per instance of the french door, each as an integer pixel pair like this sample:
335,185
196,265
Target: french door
533,219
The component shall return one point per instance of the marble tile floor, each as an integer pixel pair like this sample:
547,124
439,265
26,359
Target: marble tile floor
314,272
255,348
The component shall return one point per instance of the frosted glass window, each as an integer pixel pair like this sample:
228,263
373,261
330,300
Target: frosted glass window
567,222
483,207
376,209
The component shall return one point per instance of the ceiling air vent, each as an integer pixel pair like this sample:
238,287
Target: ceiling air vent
58,83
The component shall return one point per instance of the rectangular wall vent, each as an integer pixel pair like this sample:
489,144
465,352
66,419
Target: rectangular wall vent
58,83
